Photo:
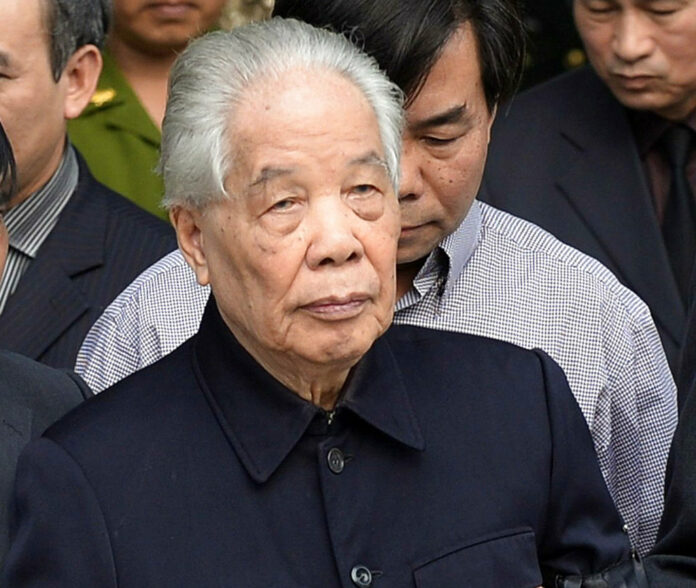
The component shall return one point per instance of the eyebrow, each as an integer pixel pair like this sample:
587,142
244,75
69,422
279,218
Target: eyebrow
453,115
370,158
270,173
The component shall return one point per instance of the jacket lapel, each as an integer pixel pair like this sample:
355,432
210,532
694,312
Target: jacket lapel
47,300
605,184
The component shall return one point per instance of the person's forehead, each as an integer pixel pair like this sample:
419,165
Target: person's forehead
22,22
640,4
280,120
454,84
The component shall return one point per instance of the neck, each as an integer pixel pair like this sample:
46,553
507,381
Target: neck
405,274
318,383
147,74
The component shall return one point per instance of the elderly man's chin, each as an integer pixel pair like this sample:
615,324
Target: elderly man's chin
337,341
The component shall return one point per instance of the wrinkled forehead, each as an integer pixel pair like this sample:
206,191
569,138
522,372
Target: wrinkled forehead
299,111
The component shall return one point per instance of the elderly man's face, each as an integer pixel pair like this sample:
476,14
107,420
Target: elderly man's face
644,50
301,257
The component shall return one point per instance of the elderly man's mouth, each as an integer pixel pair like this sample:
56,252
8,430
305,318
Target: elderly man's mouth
337,308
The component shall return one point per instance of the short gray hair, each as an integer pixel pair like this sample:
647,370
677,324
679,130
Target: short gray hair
71,24
210,78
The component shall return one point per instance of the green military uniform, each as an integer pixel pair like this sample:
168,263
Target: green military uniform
120,141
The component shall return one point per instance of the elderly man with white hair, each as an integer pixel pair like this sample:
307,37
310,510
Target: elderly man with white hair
296,439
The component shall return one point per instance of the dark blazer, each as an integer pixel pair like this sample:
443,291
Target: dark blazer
672,563
450,461
563,156
32,397
100,244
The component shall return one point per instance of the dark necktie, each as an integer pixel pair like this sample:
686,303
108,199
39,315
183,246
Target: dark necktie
679,223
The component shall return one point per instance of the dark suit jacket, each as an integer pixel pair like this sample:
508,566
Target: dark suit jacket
100,244
563,156
32,397
450,461
672,563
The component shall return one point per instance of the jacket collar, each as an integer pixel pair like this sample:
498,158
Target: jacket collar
264,420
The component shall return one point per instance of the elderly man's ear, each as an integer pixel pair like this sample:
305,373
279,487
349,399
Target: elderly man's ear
80,78
188,233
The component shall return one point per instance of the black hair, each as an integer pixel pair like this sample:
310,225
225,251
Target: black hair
408,36
8,170
71,24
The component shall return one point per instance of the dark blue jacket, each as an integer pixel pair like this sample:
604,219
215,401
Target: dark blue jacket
32,397
99,246
450,461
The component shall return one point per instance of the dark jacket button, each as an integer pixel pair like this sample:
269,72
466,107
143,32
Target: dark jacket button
336,460
361,576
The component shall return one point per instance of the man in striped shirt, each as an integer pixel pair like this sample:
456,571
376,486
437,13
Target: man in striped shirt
73,244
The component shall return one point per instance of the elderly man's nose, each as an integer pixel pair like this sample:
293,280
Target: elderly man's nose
632,39
334,241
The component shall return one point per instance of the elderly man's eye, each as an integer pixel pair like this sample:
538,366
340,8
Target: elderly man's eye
364,190
283,205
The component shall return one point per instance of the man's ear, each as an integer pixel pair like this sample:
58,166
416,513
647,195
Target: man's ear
187,222
80,77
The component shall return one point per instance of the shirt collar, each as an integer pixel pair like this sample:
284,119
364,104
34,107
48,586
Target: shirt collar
264,420
32,220
449,257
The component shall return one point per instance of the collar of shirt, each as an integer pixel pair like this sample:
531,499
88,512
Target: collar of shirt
446,262
31,221
264,420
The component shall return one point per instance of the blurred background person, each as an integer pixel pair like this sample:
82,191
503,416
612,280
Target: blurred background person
119,131
32,396
74,244
604,157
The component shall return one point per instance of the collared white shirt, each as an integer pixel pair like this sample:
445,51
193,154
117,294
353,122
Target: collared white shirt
497,276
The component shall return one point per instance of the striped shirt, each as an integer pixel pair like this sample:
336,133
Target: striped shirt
496,276
32,220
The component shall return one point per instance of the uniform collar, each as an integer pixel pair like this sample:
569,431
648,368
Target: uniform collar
264,420
115,99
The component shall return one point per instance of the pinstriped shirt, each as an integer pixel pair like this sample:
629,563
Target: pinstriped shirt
497,276
32,220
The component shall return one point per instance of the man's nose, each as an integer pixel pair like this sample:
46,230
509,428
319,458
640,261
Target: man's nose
334,240
412,185
632,40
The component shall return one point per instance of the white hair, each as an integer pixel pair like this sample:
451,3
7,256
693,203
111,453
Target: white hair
210,78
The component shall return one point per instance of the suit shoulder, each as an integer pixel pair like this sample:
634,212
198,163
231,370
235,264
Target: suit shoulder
43,390
554,100
135,406
444,346
125,220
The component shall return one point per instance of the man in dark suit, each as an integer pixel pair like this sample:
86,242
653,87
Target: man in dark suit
672,563
32,396
74,245
587,155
